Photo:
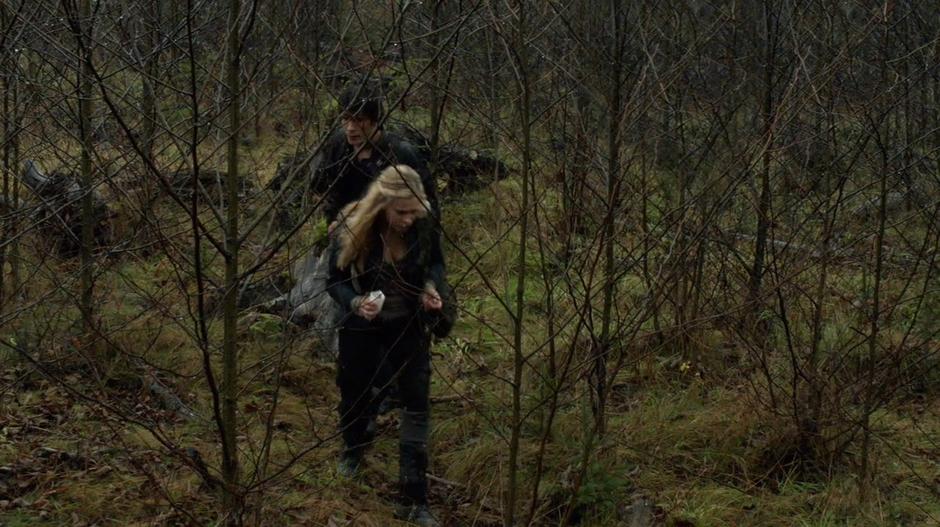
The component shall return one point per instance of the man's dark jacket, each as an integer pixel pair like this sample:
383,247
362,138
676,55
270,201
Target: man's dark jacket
349,177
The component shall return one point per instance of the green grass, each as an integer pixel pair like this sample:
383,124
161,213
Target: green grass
696,445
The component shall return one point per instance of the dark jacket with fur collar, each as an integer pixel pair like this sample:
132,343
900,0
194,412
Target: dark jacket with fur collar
423,262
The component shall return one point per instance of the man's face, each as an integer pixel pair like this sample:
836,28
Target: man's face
358,129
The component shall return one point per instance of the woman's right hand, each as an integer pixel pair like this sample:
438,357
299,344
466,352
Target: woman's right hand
366,309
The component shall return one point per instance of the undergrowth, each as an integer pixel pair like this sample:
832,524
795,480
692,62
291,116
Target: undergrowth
689,438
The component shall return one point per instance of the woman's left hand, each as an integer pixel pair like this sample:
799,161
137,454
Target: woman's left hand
431,299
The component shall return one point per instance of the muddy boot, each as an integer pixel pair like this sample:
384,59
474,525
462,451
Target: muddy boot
413,466
350,464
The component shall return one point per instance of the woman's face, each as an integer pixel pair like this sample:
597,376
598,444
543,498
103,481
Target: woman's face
401,213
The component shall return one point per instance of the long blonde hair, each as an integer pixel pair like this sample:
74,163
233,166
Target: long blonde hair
358,218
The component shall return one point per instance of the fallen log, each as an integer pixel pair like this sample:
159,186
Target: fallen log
857,251
59,206
210,182
458,169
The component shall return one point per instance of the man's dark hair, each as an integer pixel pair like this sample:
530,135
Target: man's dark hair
363,99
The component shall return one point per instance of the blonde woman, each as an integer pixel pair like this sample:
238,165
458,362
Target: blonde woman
385,267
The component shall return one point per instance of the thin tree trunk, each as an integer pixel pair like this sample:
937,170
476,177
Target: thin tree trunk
440,82
151,72
437,90
201,323
549,387
808,426
614,112
864,476
14,144
518,352
871,393
493,91
8,138
681,276
230,307
651,287
763,202
84,36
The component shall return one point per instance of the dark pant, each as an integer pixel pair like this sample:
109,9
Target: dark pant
367,352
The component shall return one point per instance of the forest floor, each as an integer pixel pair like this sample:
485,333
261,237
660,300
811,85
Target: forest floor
692,451
91,445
